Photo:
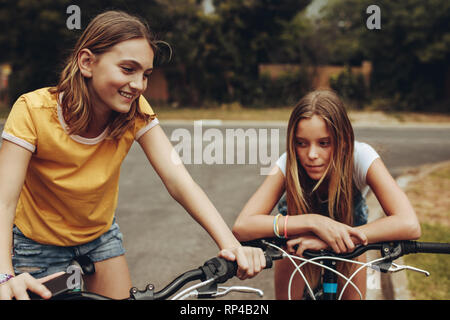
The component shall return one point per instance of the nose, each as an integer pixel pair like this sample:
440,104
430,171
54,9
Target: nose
138,84
312,152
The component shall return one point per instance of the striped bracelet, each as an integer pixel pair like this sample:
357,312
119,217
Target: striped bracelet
275,226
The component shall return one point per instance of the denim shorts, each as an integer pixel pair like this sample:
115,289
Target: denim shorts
360,209
41,260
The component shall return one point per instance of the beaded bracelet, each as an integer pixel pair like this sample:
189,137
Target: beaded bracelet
4,277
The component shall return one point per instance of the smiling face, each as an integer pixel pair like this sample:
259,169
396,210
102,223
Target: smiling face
119,76
313,146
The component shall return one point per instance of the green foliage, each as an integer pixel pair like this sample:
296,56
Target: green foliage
34,36
350,86
410,53
338,29
216,56
36,41
283,91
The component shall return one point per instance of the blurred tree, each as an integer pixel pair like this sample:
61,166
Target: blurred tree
298,42
35,38
410,53
339,26
215,56
252,34
196,72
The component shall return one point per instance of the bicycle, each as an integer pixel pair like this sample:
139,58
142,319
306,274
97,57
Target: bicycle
217,270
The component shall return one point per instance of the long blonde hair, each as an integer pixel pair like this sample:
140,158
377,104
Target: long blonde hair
300,190
102,33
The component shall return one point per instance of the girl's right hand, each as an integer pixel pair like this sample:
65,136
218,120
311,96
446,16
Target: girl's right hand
339,236
17,287
250,260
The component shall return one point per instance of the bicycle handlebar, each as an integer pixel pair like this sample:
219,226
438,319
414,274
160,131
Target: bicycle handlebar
425,247
392,249
220,270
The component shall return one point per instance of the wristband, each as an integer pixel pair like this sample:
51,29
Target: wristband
275,225
4,277
285,226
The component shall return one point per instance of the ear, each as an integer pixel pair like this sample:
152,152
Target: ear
86,60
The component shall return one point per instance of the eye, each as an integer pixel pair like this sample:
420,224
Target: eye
300,143
325,143
127,70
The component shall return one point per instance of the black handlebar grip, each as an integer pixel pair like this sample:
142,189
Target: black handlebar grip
428,247
425,247
231,269
224,269
269,262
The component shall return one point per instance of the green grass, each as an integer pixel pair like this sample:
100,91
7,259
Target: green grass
437,285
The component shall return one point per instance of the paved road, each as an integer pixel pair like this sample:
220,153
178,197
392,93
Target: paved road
162,241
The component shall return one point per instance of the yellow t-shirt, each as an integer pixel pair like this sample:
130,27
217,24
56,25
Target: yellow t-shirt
71,186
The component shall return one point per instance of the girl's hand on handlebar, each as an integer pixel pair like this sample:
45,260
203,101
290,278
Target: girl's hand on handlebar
250,260
339,236
17,287
307,242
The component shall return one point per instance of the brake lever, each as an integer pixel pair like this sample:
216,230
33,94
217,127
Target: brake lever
396,268
243,289
220,291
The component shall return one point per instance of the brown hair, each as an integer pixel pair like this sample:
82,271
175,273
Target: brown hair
339,173
102,33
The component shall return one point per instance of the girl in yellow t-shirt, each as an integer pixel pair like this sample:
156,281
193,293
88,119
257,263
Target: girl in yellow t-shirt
60,161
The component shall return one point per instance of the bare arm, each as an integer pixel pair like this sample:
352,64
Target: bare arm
183,188
186,191
13,167
14,162
401,222
255,221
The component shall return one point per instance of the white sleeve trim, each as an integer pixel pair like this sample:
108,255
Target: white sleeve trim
141,132
19,141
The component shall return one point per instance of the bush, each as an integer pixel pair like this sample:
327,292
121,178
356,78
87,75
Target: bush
283,91
350,86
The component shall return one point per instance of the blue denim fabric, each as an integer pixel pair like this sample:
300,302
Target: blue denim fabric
360,209
41,260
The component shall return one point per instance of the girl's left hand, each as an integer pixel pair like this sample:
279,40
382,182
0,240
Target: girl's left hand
250,260
307,242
